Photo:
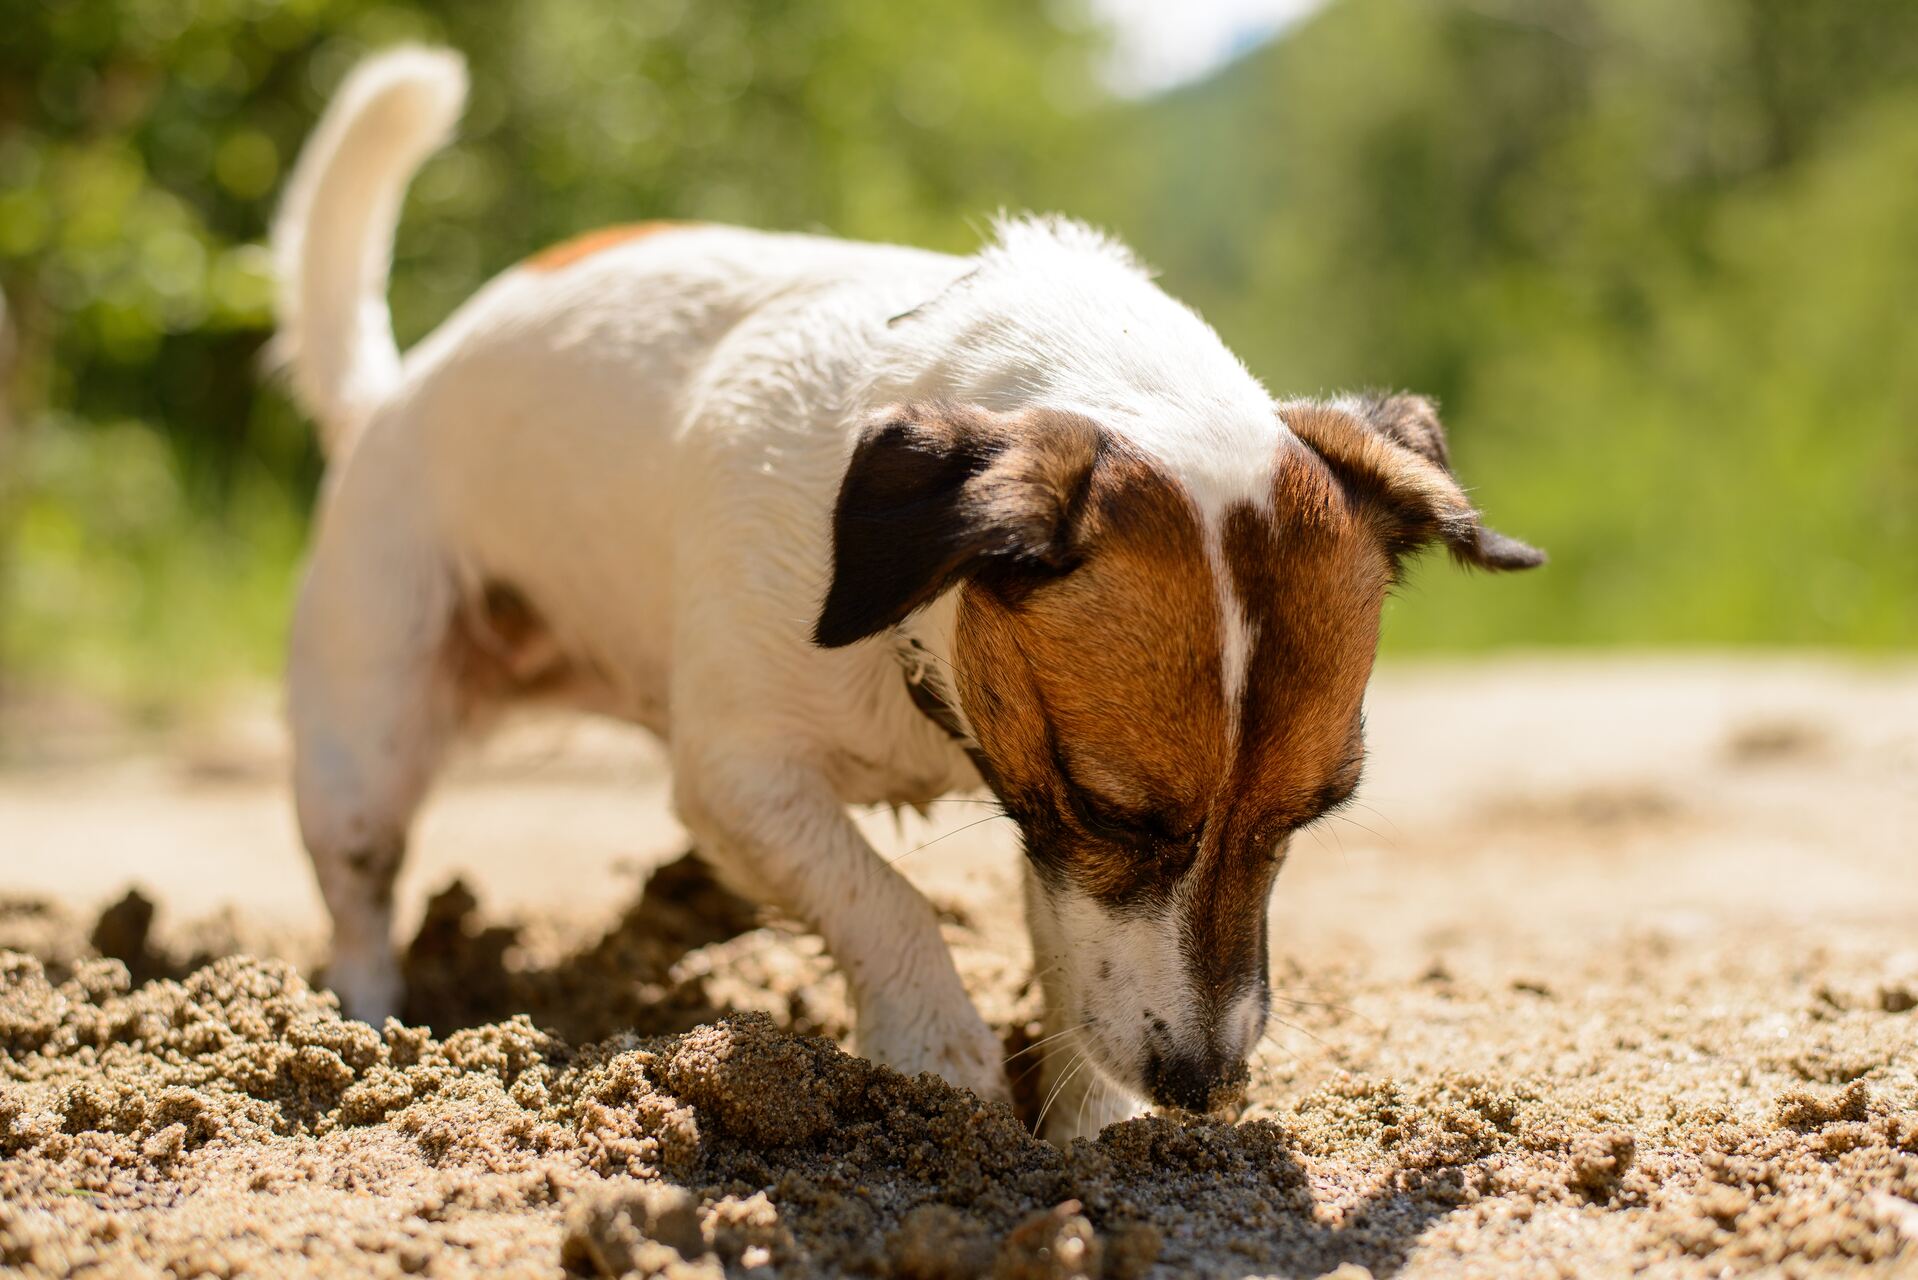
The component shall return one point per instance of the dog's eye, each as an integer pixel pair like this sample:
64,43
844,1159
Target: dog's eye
1145,832
1106,825
1148,832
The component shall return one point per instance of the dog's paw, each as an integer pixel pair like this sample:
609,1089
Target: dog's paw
962,1051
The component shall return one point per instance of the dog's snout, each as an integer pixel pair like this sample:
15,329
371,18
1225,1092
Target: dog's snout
1199,1082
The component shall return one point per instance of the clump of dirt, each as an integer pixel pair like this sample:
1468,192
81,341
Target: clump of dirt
463,970
738,1139
1600,1160
124,932
626,1227
45,930
1775,741
1674,1111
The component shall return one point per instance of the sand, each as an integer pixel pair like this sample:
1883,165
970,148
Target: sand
1655,1012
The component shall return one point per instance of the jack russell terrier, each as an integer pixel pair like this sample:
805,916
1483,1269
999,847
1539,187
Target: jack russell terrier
847,524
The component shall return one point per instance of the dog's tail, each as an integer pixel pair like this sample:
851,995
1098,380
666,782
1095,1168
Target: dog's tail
333,236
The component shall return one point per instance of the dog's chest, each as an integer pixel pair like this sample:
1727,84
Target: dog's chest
898,756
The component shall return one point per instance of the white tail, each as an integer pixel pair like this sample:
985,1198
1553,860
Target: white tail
333,238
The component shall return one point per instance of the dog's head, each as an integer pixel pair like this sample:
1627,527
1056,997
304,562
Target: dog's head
1161,695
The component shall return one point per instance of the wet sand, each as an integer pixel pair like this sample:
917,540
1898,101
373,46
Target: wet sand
1615,970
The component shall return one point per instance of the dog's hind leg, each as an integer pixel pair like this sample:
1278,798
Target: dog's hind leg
374,698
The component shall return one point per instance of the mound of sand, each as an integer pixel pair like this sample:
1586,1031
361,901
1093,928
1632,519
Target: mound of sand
1718,1111
1614,971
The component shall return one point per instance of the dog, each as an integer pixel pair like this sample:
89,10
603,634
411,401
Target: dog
849,524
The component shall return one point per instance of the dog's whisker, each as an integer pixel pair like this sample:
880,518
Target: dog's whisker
1031,1067
1381,814
941,658
1310,987
1266,1042
1293,1026
1039,1061
1351,821
1326,1005
1056,1086
1270,1041
991,817
1079,1121
1045,1040
1084,1056
1038,979
1320,1004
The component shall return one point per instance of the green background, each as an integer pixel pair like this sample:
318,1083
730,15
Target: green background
1658,261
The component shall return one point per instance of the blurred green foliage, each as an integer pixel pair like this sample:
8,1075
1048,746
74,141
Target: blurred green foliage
158,489
1655,259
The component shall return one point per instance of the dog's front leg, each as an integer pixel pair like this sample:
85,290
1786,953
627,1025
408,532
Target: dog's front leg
776,825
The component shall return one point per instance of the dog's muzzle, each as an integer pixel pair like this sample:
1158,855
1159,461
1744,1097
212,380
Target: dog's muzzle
1199,1082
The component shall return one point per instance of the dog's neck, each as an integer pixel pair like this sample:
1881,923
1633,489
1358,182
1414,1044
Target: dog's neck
925,643
924,647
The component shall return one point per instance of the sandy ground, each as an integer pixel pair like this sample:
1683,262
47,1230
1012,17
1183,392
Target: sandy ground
1615,968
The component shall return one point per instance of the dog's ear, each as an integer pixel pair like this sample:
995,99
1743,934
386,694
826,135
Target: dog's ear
936,493
1391,453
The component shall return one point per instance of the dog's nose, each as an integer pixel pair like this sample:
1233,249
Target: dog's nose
1193,1082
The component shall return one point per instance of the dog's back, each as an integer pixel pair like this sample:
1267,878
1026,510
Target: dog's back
509,508
554,409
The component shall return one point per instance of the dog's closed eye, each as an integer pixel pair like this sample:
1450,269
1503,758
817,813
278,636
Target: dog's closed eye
1147,832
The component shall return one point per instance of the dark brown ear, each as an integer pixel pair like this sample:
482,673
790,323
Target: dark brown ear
937,492
1390,451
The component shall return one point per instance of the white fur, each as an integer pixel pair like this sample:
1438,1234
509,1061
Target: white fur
647,444
1237,636
1107,976
333,239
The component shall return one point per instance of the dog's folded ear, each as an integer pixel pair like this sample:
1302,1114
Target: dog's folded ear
1390,451
939,492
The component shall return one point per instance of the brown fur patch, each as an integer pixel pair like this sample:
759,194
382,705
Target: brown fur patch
585,245
1099,697
1098,694
1406,492
1311,576
1390,452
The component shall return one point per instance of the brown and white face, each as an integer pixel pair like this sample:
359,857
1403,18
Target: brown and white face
1160,696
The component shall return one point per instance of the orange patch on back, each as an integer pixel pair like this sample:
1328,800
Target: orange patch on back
585,245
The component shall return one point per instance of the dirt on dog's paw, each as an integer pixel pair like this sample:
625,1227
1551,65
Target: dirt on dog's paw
969,1054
